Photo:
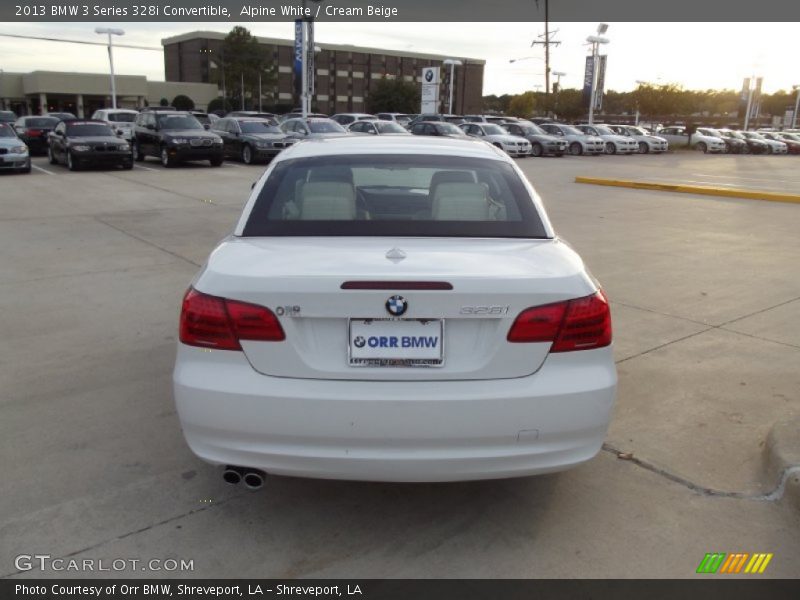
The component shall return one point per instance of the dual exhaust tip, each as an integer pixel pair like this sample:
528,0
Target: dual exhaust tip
253,478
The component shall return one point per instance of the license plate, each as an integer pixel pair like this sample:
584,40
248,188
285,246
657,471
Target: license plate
396,343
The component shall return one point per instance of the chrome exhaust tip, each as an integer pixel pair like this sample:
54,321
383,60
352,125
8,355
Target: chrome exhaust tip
232,475
254,480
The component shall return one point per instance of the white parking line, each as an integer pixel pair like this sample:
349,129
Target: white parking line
230,164
42,170
145,168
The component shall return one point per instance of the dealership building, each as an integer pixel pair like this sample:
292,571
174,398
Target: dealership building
83,93
344,75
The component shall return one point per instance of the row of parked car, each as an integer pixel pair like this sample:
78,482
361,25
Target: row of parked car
122,136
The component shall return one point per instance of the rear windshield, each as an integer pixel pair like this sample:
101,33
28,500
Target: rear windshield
41,122
258,127
77,129
178,122
122,117
325,127
394,195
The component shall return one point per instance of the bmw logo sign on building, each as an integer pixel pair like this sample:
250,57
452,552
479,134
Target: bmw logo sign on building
396,305
428,75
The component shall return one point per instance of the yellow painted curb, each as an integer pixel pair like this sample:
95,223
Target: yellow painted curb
692,189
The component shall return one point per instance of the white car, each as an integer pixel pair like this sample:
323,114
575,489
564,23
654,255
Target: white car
647,142
394,309
677,135
497,136
579,142
775,147
120,119
615,143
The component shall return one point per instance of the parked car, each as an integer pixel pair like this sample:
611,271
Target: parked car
647,142
344,119
254,114
121,119
251,140
437,128
750,146
494,134
400,118
87,143
614,142
733,145
542,143
205,119
174,137
7,116
678,136
299,115
429,118
577,141
393,310
14,155
775,146
792,140
61,116
34,130
312,127
377,128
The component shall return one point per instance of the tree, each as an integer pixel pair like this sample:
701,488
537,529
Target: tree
183,102
163,102
394,95
522,105
243,63
219,104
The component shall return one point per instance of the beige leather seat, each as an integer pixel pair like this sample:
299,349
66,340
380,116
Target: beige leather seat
327,201
461,202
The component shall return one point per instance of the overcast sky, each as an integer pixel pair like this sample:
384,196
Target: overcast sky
696,55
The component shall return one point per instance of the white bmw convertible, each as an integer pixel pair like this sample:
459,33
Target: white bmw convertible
394,309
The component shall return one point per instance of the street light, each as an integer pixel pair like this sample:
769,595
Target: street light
513,60
595,41
111,31
559,75
453,63
796,106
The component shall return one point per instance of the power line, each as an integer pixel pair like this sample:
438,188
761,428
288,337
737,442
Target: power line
49,39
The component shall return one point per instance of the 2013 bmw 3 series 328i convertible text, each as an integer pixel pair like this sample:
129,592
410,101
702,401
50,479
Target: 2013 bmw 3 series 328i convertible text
394,309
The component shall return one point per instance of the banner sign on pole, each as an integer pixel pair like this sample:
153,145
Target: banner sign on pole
755,106
601,81
298,56
587,82
430,90
310,60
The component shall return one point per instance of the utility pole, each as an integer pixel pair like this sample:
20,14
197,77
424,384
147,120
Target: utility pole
546,42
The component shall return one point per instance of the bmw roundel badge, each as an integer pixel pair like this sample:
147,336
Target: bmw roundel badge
396,305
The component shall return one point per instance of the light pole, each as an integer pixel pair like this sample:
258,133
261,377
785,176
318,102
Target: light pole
751,87
595,41
796,106
452,62
111,31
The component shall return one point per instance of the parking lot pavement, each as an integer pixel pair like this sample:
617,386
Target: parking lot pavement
704,305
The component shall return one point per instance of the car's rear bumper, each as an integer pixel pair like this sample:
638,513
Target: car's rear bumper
395,430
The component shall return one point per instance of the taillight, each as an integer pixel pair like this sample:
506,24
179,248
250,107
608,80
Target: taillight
214,322
579,324
33,132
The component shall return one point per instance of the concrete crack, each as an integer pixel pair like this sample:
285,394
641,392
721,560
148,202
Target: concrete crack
772,496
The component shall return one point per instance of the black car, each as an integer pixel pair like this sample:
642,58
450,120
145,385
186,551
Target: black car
441,128
174,137
61,116
87,143
251,140
34,131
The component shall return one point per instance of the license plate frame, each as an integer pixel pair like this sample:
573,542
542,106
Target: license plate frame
395,355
